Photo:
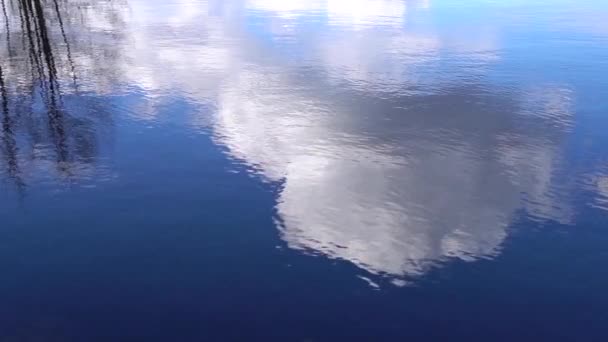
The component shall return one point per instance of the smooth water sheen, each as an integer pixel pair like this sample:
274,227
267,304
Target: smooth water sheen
304,170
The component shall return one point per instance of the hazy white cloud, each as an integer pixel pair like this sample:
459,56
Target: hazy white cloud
392,207
358,13
383,209
286,9
602,191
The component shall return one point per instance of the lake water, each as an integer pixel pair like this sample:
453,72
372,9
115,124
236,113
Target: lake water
304,170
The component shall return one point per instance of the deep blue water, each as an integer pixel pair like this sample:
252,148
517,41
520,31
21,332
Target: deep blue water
304,170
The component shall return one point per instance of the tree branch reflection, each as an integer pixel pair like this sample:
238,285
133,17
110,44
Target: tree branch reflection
38,123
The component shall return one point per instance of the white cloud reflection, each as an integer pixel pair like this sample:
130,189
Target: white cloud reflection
354,13
393,207
392,184
286,9
366,12
602,191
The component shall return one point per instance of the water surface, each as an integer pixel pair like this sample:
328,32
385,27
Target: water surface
304,170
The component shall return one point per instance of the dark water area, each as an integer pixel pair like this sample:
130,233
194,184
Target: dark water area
303,170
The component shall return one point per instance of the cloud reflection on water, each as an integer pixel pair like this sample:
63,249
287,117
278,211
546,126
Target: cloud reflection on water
393,152
395,147
397,198
398,184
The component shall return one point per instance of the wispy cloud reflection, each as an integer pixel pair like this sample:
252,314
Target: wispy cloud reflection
398,198
597,184
354,13
602,191
358,13
397,148
286,9
393,150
